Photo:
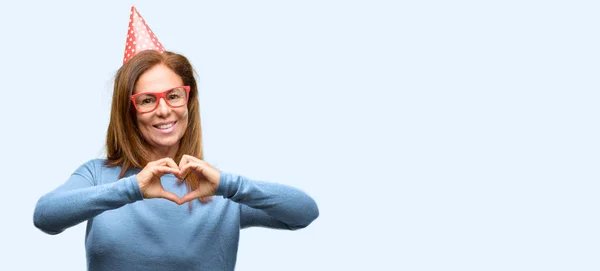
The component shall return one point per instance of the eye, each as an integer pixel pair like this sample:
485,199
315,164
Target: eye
173,96
176,94
146,100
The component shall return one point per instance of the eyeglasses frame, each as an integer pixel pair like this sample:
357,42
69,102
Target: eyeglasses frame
159,95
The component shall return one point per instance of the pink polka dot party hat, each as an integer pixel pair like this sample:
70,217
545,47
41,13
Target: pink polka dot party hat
139,37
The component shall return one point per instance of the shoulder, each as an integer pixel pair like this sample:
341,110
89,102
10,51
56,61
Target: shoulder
93,165
92,170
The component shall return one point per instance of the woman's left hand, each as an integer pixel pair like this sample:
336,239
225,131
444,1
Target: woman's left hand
208,178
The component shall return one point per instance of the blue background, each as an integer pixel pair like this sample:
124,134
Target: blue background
434,135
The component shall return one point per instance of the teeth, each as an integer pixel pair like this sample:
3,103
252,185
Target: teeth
166,126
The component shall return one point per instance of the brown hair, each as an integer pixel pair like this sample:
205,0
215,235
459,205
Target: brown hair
125,145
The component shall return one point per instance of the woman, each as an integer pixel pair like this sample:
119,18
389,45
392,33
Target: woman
134,200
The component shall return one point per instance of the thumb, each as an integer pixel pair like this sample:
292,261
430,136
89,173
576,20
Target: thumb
170,196
190,196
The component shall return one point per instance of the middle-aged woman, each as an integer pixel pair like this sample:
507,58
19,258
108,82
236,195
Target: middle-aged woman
134,200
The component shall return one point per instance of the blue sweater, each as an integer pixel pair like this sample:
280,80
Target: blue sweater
127,232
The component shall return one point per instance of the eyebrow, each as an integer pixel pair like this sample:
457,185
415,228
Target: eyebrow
159,91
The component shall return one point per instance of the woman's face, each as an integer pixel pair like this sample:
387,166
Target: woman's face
163,127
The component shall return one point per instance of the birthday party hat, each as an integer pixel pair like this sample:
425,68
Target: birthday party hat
139,37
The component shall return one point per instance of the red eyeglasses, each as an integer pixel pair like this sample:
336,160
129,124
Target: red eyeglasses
148,101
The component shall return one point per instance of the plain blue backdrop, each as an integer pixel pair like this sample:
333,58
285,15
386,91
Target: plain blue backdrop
434,135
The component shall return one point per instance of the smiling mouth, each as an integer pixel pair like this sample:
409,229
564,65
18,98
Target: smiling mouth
165,125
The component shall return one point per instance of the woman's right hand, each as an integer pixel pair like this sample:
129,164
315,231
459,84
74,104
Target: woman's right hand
149,179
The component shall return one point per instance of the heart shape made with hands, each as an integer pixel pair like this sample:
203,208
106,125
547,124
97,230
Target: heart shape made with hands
151,187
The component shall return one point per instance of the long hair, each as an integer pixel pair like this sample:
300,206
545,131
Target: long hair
125,145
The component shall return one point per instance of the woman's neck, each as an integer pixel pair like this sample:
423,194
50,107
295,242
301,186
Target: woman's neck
159,153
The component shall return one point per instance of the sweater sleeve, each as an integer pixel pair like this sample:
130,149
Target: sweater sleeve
268,204
82,198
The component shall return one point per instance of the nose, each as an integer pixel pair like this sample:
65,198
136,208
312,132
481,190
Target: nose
163,108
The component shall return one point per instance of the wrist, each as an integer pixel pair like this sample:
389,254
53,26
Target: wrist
141,186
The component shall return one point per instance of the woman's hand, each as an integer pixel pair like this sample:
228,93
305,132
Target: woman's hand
208,178
149,179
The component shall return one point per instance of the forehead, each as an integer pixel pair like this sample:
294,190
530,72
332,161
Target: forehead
158,78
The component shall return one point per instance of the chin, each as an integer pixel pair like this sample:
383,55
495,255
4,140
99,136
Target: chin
167,143
161,141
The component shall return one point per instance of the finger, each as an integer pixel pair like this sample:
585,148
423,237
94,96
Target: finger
185,159
186,167
170,196
162,170
192,166
208,172
169,162
201,162
182,172
190,196
190,158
